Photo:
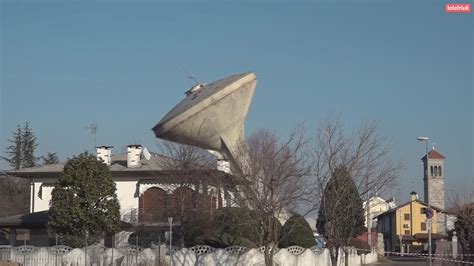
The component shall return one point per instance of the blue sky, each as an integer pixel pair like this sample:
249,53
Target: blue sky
407,64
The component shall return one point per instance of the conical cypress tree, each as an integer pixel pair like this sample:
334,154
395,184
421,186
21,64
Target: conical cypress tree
14,151
341,215
50,158
29,145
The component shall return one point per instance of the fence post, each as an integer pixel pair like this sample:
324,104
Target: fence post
158,255
24,253
136,251
113,247
455,245
85,251
56,253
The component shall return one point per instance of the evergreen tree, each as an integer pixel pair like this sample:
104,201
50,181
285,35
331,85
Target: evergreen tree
341,215
21,152
84,201
14,151
296,232
29,145
50,158
235,226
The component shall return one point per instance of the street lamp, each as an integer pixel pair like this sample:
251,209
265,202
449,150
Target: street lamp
425,139
170,220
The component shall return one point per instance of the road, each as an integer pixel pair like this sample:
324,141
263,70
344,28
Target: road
405,261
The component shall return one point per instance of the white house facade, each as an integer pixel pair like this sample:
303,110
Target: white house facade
142,185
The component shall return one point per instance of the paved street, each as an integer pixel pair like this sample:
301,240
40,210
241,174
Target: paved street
406,261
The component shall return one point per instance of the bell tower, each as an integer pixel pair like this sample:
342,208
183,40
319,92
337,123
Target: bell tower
433,172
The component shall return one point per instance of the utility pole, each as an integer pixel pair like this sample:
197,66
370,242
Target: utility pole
401,236
369,220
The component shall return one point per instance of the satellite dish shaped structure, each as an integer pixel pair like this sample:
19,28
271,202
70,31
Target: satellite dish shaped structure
211,116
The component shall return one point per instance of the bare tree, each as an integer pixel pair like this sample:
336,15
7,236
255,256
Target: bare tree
462,208
273,180
14,195
14,198
189,168
366,158
184,157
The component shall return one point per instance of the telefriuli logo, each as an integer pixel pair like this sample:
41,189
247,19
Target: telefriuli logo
465,8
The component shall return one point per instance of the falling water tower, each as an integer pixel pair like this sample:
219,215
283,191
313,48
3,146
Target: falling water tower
211,116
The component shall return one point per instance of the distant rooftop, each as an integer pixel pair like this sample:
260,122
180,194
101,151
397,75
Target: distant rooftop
433,154
118,166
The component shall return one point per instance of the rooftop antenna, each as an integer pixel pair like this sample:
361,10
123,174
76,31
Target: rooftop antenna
190,77
92,128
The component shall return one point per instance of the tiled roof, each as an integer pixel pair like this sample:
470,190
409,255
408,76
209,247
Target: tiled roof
51,168
152,168
118,164
33,220
433,154
29,220
408,202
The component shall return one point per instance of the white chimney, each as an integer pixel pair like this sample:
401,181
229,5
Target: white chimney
104,153
133,155
223,165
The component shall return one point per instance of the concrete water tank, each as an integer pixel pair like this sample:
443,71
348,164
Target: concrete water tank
212,115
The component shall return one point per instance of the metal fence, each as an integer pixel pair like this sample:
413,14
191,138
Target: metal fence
29,255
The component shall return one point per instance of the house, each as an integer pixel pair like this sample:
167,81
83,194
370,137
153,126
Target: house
377,206
29,228
405,225
147,193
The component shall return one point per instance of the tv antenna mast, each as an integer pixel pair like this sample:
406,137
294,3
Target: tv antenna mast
192,78
92,128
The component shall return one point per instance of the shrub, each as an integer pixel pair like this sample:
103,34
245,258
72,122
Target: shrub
296,232
234,226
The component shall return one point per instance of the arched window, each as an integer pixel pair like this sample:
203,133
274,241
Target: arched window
431,168
435,171
439,170
152,205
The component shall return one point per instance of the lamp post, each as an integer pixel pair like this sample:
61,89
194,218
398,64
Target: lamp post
170,220
401,235
425,139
